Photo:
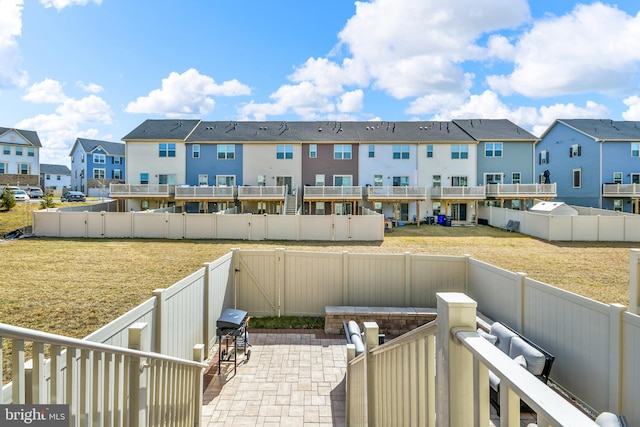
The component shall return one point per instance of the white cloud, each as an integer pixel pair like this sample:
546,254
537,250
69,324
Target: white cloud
633,110
351,102
489,106
592,49
61,4
71,119
11,73
47,91
90,87
186,94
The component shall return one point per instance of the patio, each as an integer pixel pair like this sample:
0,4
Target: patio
292,378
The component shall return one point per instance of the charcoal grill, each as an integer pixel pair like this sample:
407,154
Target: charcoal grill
233,336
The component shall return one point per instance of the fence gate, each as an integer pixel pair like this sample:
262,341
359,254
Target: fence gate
256,283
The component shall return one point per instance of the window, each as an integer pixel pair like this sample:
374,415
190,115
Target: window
3,168
58,177
284,152
167,179
319,208
635,149
493,178
195,152
167,150
144,178
342,151
31,152
377,180
116,174
313,151
99,159
429,151
262,180
435,207
320,180
459,152
203,179
543,157
617,205
577,178
342,180
24,168
458,181
116,160
228,180
18,151
400,181
6,149
372,151
436,181
575,150
48,177
635,178
617,177
515,177
226,152
400,151
98,173
493,149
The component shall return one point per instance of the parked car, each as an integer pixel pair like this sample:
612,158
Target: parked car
20,196
73,196
35,192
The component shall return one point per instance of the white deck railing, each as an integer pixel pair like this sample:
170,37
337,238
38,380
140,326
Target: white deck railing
621,190
205,192
141,190
396,383
332,192
477,192
104,384
262,192
396,193
521,190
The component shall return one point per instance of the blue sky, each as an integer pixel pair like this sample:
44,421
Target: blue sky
98,68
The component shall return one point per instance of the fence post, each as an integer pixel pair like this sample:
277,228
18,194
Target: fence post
615,357
161,323
138,340
634,281
455,401
280,273
520,303
198,356
371,341
407,279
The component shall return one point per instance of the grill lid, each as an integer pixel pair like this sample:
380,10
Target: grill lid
231,318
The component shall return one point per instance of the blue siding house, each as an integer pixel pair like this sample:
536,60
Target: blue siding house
595,163
95,165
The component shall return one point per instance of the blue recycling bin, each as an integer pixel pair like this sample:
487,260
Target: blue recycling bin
441,219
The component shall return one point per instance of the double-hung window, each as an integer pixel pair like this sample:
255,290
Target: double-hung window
516,177
400,152
98,173
99,159
284,152
31,152
18,151
144,178
313,151
342,151
429,151
635,149
116,174
372,151
195,151
226,152
167,150
493,149
6,149
617,177
459,151
3,168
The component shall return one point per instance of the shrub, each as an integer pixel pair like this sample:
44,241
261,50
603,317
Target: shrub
7,202
47,201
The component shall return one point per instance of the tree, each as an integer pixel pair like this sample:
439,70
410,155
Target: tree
7,202
47,201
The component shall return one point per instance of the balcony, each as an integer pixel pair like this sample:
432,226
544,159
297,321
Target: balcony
206,193
396,193
262,192
520,191
317,193
621,190
458,193
143,191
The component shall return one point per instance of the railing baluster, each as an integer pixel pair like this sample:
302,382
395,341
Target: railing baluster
71,384
98,388
84,378
55,375
17,371
38,385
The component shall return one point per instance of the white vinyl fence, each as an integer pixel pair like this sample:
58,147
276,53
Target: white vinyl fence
590,225
208,226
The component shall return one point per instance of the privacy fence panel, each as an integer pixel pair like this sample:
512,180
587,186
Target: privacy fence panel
219,293
73,224
430,274
282,227
630,377
149,225
118,225
317,227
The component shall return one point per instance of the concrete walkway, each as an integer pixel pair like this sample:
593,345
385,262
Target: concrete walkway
290,379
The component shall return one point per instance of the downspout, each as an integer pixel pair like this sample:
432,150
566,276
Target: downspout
600,182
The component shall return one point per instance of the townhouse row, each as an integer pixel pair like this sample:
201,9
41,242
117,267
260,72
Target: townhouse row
405,170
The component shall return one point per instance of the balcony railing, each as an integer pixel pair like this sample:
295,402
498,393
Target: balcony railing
141,190
262,192
621,190
397,193
332,193
205,192
521,190
478,192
